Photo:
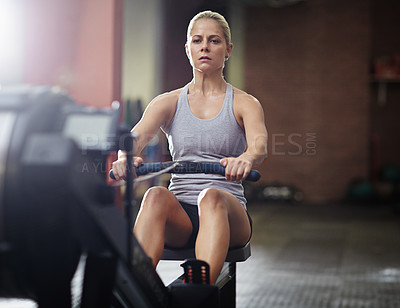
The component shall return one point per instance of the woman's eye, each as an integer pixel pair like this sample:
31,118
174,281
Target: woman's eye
215,41
196,41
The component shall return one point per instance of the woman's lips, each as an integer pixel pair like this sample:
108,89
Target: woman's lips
205,58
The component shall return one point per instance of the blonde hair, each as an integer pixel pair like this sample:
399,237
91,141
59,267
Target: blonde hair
215,16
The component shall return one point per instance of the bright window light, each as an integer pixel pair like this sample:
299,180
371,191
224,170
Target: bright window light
11,41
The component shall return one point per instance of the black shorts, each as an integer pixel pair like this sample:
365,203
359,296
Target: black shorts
192,211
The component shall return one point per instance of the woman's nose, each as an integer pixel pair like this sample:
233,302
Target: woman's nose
204,47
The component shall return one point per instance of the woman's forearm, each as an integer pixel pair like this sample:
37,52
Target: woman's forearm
256,151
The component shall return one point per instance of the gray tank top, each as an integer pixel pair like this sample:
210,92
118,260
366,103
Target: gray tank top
204,140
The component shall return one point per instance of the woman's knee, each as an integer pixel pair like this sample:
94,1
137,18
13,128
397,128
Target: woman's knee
155,193
211,199
157,198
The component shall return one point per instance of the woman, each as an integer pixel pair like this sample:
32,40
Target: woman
207,120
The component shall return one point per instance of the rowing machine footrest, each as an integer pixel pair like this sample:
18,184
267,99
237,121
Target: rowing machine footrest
234,254
196,271
184,295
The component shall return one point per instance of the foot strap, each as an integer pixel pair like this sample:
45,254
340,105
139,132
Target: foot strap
196,271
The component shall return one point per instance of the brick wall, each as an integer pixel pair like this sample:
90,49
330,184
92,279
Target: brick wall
385,124
309,66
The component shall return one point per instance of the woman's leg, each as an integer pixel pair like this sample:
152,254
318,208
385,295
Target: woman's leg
223,223
161,219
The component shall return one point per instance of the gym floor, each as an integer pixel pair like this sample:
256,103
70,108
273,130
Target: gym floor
325,256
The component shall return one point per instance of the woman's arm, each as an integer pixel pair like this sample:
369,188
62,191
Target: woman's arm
250,115
158,114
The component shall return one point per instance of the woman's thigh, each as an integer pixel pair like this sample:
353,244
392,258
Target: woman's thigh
178,226
239,222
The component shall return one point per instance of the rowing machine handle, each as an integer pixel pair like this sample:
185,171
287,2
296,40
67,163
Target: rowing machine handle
188,167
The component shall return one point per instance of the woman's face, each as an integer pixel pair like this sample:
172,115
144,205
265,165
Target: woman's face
207,47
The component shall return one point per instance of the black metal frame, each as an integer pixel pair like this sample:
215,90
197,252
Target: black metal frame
226,282
53,213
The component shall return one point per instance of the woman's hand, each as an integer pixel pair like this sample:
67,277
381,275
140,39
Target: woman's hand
119,166
236,168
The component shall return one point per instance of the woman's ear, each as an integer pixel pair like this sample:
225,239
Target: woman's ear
228,50
188,54
187,51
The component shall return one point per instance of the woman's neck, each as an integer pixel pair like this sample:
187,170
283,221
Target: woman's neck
207,84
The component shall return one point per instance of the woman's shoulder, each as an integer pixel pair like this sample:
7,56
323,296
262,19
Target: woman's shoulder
168,97
165,104
165,101
246,106
243,98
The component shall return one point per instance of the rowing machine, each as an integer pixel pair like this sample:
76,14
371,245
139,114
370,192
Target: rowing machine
223,293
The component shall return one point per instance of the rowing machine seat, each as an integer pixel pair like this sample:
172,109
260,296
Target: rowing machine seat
234,254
